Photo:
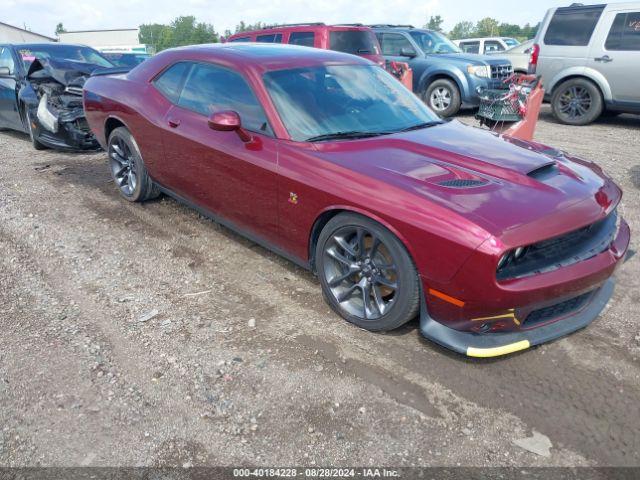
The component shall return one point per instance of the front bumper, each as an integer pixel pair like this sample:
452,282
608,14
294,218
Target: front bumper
502,343
72,133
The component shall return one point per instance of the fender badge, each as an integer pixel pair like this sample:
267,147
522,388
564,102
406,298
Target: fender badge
293,198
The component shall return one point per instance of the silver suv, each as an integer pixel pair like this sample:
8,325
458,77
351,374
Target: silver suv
589,60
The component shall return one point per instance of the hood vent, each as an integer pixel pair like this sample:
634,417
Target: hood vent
462,183
544,172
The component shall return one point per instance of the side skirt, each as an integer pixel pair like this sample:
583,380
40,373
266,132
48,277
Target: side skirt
240,231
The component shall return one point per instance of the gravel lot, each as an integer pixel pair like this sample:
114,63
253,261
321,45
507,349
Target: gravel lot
148,335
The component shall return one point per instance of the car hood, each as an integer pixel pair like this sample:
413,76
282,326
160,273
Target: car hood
65,72
513,189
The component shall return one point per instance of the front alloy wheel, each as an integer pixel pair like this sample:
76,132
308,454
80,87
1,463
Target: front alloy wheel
366,274
440,99
360,272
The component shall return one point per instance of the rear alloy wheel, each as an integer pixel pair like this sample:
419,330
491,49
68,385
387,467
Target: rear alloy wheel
443,97
576,102
127,168
366,274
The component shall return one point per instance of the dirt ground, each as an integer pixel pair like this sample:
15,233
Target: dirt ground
244,364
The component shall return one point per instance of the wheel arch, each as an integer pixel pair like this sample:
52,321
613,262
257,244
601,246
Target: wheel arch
588,74
430,76
110,124
330,212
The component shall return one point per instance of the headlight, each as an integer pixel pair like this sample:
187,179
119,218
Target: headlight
483,71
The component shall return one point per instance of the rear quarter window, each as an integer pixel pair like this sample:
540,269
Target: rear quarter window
573,26
470,47
306,39
356,42
270,38
170,81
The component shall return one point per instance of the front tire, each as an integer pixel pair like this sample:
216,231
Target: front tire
366,274
443,97
576,102
32,134
127,168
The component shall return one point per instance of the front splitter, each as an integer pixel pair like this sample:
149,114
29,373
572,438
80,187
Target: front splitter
497,344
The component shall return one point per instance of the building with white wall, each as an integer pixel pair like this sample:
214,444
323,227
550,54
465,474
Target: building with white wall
11,34
120,40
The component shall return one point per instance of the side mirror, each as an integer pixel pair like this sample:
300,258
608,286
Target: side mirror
407,52
228,121
5,72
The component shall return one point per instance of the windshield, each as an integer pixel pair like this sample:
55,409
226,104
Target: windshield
78,53
329,100
127,59
511,42
434,42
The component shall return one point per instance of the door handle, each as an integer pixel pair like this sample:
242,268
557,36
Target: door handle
604,59
173,122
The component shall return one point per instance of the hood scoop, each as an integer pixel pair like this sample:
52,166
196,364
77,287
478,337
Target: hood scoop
544,172
462,183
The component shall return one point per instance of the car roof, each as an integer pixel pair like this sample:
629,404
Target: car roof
257,57
298,27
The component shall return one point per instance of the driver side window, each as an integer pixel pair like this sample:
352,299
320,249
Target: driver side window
209,89
6,59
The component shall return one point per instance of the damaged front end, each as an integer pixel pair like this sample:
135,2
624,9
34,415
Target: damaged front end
55,108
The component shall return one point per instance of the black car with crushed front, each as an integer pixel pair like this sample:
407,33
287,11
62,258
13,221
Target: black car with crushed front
41,93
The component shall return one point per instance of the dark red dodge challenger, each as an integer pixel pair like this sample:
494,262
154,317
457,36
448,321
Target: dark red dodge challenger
328,160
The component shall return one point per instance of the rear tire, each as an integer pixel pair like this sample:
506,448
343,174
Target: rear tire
576,102
443,97
127,168
367,276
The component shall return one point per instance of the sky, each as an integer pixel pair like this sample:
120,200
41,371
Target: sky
41,16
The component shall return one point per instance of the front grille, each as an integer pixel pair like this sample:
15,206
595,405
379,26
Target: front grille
554,311
501,72
462,183
564,250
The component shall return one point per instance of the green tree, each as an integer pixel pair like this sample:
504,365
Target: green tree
183,30
435,23
462,30
487,27
60,29
509,30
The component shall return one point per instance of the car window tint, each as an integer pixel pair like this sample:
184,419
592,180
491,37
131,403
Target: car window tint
209,89
6,59
270,38
572,26
240,39
356,42
306,39
625,32
393,43
171,80
470,47
492,46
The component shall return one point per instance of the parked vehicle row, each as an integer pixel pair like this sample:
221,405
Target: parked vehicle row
443,76
41,93
589,59
496,243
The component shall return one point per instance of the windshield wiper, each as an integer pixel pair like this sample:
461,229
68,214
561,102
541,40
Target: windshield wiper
420,126
344,135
